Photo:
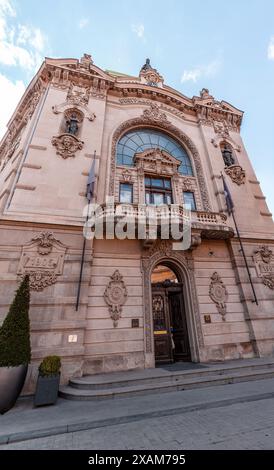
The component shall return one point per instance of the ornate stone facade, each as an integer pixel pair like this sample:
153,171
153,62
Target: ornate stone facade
76,110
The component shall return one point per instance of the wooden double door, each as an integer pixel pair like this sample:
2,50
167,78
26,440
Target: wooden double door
169,321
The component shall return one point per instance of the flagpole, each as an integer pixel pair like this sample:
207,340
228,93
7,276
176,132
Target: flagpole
246,264
230,209
88,195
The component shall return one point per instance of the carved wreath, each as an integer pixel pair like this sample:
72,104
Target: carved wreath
115,296
218,293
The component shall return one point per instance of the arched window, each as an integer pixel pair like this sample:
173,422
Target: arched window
227,153
142,139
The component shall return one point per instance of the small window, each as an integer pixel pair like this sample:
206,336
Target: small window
126,193
189,200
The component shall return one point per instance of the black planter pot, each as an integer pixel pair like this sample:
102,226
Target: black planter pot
46,390
11,383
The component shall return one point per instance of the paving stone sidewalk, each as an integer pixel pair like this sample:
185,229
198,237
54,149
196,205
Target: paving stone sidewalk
242,426
25,422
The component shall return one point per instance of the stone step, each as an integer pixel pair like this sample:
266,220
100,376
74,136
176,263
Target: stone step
160,375
71,393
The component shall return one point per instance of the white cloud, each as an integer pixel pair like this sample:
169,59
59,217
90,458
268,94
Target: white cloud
10,94
270,50
138,29
20,45
6,7
209,70
83,22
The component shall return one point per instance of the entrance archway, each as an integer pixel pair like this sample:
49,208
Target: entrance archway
171,340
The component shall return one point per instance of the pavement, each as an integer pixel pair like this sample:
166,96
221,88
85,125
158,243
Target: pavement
160,414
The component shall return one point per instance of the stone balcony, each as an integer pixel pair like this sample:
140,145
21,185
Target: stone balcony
145,220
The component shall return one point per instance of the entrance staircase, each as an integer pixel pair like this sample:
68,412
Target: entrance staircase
174,377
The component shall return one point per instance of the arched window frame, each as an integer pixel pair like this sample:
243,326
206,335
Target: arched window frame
169,141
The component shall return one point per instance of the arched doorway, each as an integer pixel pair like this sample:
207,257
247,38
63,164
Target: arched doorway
171,341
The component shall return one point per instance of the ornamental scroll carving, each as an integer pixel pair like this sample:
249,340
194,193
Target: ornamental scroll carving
218,293
264,263
236,173
43,260
115,296
67,145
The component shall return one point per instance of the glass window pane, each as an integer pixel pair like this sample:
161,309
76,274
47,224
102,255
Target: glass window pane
147,198
189,200
157,182
158,198
140,140
168,198
167,184
126,193
147,181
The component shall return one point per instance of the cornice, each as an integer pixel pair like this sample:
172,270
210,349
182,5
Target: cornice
63,73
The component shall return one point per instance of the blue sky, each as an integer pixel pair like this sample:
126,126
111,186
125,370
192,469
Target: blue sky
227,47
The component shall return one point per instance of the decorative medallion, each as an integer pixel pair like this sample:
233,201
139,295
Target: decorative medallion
115,296
236,173
43,260
218,293
67,145
264,263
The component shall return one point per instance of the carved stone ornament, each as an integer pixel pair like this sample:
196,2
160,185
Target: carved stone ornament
264,263
155,114
43,260
157,161
149,75
115,296
218,293
236,173
78,95
67,145
221,128
127,177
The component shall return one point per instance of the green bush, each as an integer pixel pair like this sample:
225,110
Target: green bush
50,365
15,333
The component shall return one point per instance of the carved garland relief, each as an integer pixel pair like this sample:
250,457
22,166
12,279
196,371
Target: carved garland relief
264,263
218,293
154,116
115,296
43,260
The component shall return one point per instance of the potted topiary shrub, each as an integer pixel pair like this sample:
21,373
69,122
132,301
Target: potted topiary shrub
15,351
48,381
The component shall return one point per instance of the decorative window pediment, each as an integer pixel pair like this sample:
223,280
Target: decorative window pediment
157,161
